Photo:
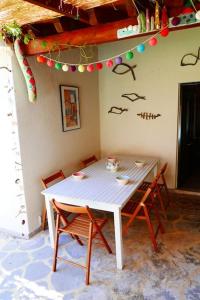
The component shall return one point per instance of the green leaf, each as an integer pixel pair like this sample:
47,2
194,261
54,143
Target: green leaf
43,44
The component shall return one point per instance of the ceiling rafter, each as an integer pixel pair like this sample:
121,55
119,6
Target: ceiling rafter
67,10
88,36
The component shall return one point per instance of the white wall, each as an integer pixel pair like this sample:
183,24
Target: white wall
44,147
12,201
158,74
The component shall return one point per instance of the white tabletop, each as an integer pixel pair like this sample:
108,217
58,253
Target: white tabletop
99,189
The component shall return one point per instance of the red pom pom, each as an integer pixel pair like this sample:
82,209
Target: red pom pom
153,41
99,66
164,32
50,63
90,68
41,59
25,62
109,63
29,72
32,81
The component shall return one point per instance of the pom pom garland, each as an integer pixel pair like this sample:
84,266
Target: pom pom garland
98,65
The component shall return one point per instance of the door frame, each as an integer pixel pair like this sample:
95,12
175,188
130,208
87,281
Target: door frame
178,150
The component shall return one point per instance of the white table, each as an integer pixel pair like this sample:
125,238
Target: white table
99,190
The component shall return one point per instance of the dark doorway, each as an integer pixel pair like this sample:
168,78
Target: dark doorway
189,137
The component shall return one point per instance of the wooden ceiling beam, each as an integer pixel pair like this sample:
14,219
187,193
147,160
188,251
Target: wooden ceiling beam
67,10
88,36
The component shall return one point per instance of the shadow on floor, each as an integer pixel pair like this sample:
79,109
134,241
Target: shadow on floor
172,273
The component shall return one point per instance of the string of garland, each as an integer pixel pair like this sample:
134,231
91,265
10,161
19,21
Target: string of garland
90,67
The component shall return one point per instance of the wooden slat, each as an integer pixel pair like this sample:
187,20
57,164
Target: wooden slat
66,9
92,35
58,26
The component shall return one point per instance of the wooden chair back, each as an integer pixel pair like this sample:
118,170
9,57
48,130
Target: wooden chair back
78,210
46,182
52,178
79,226
142,212
88,161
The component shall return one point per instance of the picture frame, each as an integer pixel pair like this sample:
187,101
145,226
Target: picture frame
70,107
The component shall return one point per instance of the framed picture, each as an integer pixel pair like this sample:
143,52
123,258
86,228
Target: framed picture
69,107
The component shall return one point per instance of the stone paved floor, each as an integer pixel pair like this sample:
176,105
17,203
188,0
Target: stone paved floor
173,273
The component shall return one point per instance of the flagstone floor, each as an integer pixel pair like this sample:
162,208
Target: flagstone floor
171,274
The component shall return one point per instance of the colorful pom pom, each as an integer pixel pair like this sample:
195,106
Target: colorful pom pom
50,63
164,32
41,59
58,66
140,48
90,68
73,68
109,63
81,68
153,41
175,21
118,60
129,55
99,66
65,68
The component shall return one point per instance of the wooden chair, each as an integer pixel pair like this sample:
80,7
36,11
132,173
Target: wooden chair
46,182
88,161
141,211
161,185
83,225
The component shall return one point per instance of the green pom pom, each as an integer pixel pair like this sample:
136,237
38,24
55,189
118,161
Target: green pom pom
58,66
129,55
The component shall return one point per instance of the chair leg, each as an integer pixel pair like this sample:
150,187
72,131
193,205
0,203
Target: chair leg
104,241
150,227
44,217
89,251
56,244
161,202
167,192
160,225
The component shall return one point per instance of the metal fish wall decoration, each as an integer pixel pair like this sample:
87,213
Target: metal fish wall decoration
117,110
190,59
148,116
127,69
137,97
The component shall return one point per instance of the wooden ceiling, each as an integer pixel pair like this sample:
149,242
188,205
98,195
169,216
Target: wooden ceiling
88,18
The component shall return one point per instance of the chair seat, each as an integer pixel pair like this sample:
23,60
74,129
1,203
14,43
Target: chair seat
129,208
80,226
145,185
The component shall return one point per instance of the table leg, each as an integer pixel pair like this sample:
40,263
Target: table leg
51,222
155,170
118,238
